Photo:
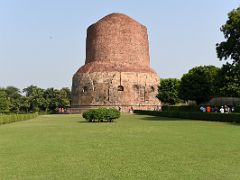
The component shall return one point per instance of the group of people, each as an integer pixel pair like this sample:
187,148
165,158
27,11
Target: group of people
130,110
223,109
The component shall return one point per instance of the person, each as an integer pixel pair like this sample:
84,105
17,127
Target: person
131,109
202,109
215,109
119,108
208,109
222,110
226,109
229,109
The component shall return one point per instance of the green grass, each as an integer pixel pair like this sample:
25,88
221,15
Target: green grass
134,147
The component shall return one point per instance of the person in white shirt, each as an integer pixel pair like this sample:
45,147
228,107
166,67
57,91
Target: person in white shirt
222,110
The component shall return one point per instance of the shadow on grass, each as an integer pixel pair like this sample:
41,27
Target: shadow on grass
97,122
157,118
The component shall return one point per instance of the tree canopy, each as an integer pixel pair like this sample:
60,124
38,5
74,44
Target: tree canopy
229,79
230,48
199,84
168,91
33,99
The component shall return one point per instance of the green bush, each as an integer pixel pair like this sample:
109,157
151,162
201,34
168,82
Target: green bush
5,119
231,117
101,114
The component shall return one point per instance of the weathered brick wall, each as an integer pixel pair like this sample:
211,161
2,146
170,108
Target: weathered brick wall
117,70
104,88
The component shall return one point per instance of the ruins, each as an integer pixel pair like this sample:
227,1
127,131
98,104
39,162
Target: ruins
117,70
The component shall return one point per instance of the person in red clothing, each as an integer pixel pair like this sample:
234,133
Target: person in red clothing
208,109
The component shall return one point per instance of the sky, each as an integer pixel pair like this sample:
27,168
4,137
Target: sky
42,42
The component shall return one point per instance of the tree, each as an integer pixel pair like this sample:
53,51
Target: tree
65,97
231,30
55,98
199,84
35,95
25,104
4,102
168,91
14,96
229,81
230,49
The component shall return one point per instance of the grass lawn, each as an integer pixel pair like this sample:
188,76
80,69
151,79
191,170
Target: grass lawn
134,147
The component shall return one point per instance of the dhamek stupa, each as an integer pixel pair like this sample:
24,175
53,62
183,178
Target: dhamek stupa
117,70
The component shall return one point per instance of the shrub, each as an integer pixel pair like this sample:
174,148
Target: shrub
101,114
4,119
231,117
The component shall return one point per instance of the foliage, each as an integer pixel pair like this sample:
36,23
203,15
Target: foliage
55,99
229,50
35,95
101,114
25,104
199,84
33,99
168,91
228,81
4,102
14,96
231,117
5,119
231,30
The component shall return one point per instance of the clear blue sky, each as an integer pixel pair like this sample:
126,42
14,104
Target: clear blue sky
42,42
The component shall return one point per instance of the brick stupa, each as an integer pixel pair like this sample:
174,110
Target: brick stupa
117,70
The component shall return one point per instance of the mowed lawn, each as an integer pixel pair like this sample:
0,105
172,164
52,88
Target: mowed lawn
134,147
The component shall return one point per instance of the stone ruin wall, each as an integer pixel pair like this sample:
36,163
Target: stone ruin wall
96,89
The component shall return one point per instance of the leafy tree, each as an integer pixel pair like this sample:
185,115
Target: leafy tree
50,102
65,96
230,49
168,91
14,96
55,98
68,92
25,104
35,95
4,102
231,30
199,84
229,81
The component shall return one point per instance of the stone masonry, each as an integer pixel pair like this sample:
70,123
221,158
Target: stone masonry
117,69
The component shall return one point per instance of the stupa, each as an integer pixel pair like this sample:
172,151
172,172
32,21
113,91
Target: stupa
117,70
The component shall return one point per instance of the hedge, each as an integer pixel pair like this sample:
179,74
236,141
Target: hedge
181,108
191,108
101,114
237,109
231,117
5,119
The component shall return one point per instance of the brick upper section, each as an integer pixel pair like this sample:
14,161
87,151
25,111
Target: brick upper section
117,38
